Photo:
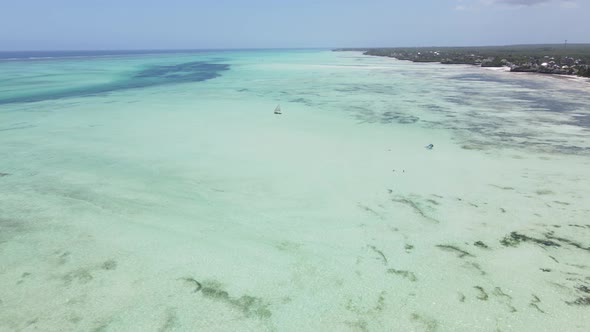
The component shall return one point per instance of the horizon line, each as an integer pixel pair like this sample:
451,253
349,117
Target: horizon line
273,48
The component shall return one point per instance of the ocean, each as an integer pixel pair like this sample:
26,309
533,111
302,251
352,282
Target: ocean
157,191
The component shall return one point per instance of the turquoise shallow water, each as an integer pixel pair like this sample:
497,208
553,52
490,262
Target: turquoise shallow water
158,192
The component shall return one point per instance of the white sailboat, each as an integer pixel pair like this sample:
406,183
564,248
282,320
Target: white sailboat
278,109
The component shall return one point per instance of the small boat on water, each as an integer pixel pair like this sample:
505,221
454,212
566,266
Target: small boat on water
278,109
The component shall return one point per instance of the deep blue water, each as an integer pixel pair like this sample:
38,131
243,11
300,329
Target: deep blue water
151,76
37,55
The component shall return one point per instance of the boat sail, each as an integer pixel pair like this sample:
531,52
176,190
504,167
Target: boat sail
278,109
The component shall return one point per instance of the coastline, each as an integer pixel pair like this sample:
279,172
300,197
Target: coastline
504,69
553,59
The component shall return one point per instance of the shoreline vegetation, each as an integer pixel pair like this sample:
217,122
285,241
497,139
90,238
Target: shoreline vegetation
558,59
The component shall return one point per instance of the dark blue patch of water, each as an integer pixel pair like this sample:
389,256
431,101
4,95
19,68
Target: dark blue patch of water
152,76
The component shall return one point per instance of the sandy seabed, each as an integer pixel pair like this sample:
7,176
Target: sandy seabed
191,207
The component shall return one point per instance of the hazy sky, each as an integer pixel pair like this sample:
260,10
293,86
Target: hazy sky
151,24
